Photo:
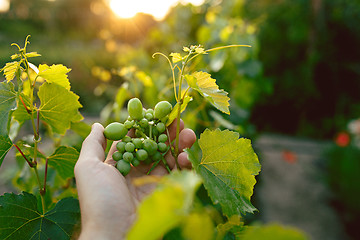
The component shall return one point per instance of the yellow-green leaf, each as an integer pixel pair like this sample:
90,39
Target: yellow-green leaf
273,232
144,78
166,207
186,49
228,167
200,50
55,74
176,57
15,56
10,70
196,221
175,110
59,107
32,54
206,86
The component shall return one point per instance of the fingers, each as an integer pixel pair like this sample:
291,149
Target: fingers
172,128
187,138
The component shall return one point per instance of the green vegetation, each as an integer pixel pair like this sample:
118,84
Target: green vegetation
300,76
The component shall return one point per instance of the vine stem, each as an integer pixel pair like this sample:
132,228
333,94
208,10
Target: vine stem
219,48
46,170
41,190
36,133
31,164
172,70
180,102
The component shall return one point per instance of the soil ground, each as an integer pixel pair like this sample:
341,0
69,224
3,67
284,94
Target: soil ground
292,186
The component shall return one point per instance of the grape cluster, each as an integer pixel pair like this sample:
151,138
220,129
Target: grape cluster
149,144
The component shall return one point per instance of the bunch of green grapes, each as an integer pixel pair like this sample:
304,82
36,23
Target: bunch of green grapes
149,144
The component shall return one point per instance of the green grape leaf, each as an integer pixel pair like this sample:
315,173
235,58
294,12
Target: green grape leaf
228,167
63,160
20,218
59,107
176,57
10,70
5,146
55,74
174,112
20,114
273,232
206,86
166,207
7,104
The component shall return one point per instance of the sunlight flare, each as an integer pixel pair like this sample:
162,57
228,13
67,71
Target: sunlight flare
156,8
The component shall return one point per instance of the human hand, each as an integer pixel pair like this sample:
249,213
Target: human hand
108,200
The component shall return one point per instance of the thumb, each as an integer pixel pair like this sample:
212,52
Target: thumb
93,147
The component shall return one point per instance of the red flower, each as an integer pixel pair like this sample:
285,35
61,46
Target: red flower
342,139
289,156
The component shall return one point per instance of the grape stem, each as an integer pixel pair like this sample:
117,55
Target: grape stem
31,112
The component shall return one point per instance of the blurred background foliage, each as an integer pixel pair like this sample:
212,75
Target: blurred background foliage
301,73
301,76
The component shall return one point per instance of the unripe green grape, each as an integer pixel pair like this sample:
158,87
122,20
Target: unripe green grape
137,142
135,162
163,138
117,156
129,124
130,147
150,110
160,127
162,147
128,156
115,131
141,154
144,123
150,146
123,167
126,139
120,146
156,157
135,109
149,116
162,109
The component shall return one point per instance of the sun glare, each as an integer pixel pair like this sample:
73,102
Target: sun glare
157,8
4,5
